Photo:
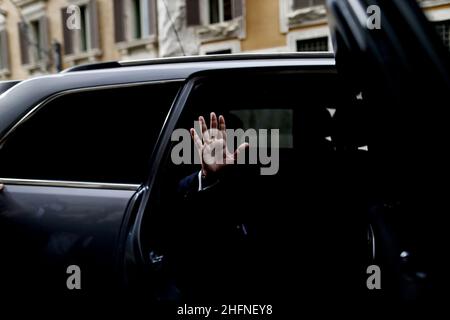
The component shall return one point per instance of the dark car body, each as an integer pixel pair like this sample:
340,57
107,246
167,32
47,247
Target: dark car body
90,218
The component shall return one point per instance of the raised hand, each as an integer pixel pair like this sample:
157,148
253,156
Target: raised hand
212,145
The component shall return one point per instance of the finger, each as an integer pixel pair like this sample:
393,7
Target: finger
241,149
204,129
213,122
196,138
202,124
1,187
223,127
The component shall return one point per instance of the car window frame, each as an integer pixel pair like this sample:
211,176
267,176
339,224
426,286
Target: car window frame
178,108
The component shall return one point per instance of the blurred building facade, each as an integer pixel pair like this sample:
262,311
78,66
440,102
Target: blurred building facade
44,36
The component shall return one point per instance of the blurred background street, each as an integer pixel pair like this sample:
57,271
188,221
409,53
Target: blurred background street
45,36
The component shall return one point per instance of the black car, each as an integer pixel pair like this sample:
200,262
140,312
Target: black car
85,157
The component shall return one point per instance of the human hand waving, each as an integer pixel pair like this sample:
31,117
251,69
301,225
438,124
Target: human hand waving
212,145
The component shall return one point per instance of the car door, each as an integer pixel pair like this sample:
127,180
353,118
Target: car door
296,223
389,56
72,170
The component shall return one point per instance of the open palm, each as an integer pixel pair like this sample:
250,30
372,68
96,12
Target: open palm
212,145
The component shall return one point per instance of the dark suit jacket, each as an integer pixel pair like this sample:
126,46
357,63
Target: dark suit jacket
210,254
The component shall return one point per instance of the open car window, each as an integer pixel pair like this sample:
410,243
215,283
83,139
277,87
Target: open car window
215,238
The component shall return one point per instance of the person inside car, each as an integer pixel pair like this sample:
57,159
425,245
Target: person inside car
209,234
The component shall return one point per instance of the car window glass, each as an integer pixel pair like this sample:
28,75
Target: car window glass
268,119
104,135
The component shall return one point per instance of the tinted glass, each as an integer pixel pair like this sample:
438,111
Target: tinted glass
104,135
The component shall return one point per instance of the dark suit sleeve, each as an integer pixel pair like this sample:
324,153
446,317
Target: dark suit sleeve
188,186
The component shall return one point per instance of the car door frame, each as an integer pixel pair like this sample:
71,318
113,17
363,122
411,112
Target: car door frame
134,253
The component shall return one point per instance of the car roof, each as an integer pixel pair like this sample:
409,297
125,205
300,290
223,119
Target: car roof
217,58
20,100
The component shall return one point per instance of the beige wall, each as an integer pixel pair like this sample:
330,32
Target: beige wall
438,7
17,72
263,25
106,24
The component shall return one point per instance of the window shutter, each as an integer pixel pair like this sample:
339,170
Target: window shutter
193,12
44,41
93,24
152,17
238,8
24,45
119,21
5,52
67,33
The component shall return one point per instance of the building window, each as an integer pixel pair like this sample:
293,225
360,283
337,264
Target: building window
316,44
137,19
4,52
225,51
134,19
443,28
220,11
224,47
35,37
34,42
199,12
300,4
85,30
86,38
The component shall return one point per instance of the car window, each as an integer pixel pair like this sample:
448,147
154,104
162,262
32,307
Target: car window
268,119
270,109
103,135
